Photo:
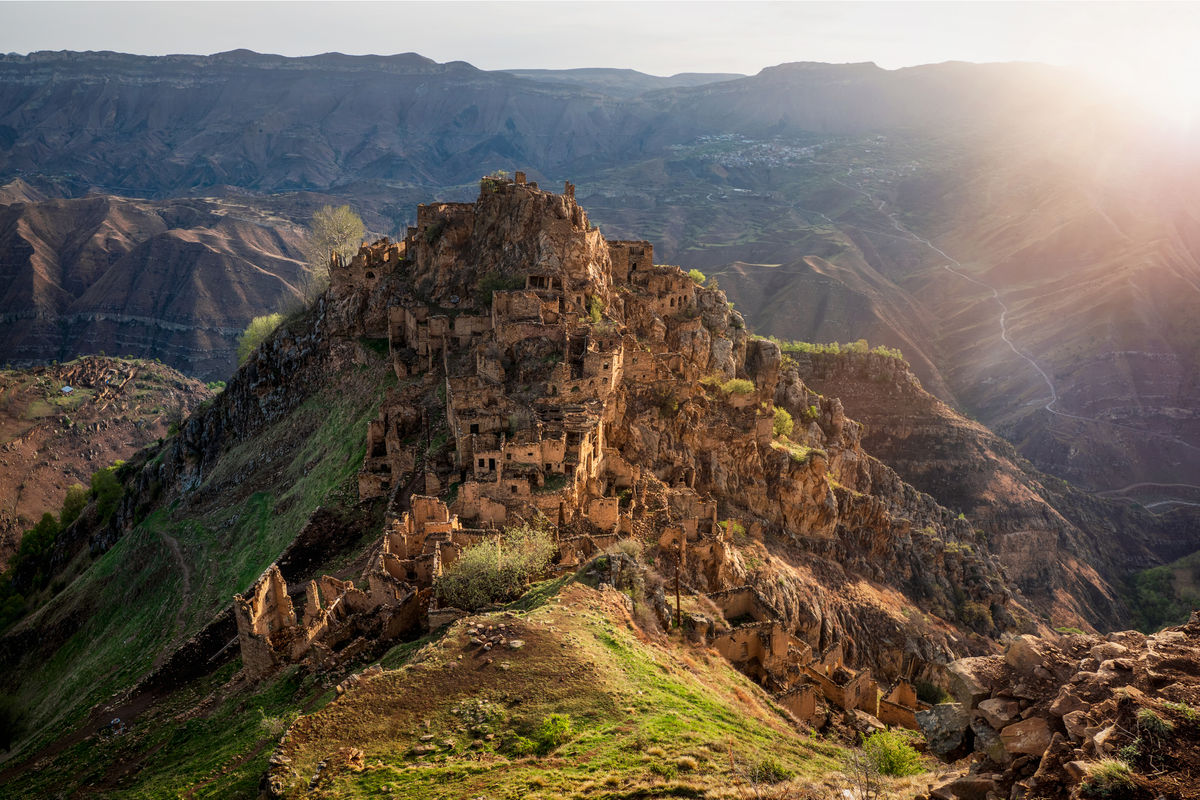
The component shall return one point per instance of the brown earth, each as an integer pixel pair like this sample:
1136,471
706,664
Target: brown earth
50,440
176,280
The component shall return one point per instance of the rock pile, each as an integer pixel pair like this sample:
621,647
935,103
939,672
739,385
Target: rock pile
1079,716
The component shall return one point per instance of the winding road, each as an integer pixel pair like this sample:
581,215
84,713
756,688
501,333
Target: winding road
955,267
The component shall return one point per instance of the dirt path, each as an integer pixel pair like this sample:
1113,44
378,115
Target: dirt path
186,600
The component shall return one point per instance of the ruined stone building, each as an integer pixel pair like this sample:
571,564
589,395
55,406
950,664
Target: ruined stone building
543,372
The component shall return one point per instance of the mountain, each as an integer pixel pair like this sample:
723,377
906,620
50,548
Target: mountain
176,280
60,424
622,82
1028,245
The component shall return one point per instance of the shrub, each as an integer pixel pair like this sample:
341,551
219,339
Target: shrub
496,571
595,309
1108,779
107,490
73,504
12,722
892,755
931,693
697,276
783,424
976,616
737,386
554,731
494,282
255,334
768,770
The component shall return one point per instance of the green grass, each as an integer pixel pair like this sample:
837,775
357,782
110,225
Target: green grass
633,713
799,453
134,599
1164,596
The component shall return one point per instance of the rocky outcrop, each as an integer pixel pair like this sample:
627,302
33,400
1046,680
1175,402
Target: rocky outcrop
1051,711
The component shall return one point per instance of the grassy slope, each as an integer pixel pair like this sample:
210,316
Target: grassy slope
650,717
139,598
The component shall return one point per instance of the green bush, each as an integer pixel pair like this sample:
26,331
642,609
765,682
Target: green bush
107,490
595,309
783,424
697,276
554,731
737,386
891,754
496,571
255,334
769,770
73,504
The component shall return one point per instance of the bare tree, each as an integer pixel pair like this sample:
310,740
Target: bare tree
332,230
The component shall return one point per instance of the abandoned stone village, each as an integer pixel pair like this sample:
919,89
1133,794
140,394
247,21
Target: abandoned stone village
579,383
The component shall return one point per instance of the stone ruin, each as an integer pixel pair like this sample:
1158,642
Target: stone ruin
534,378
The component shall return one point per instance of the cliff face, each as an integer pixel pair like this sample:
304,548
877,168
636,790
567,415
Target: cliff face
177,280
1066,549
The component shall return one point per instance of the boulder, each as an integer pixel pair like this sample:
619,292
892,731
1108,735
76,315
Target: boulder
999,712
988,742
1076,723
1106,650
1024,653
968,787
1102,741
1029,736
966,681
947,729
1066,702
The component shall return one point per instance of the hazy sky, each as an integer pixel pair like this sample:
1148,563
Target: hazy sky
1143,43
660,38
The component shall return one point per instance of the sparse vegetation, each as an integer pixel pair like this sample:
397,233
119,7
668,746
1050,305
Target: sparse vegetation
1109,779
782,426
1150,724
797,452
496,571
255,334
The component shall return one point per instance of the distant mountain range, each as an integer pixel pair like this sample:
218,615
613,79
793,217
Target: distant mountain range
920,208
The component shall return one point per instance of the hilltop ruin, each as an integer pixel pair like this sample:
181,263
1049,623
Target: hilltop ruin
543,372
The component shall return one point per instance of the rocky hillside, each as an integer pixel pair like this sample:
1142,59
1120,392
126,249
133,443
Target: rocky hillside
502,363
177,280
1077,716
60,424
1049,535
